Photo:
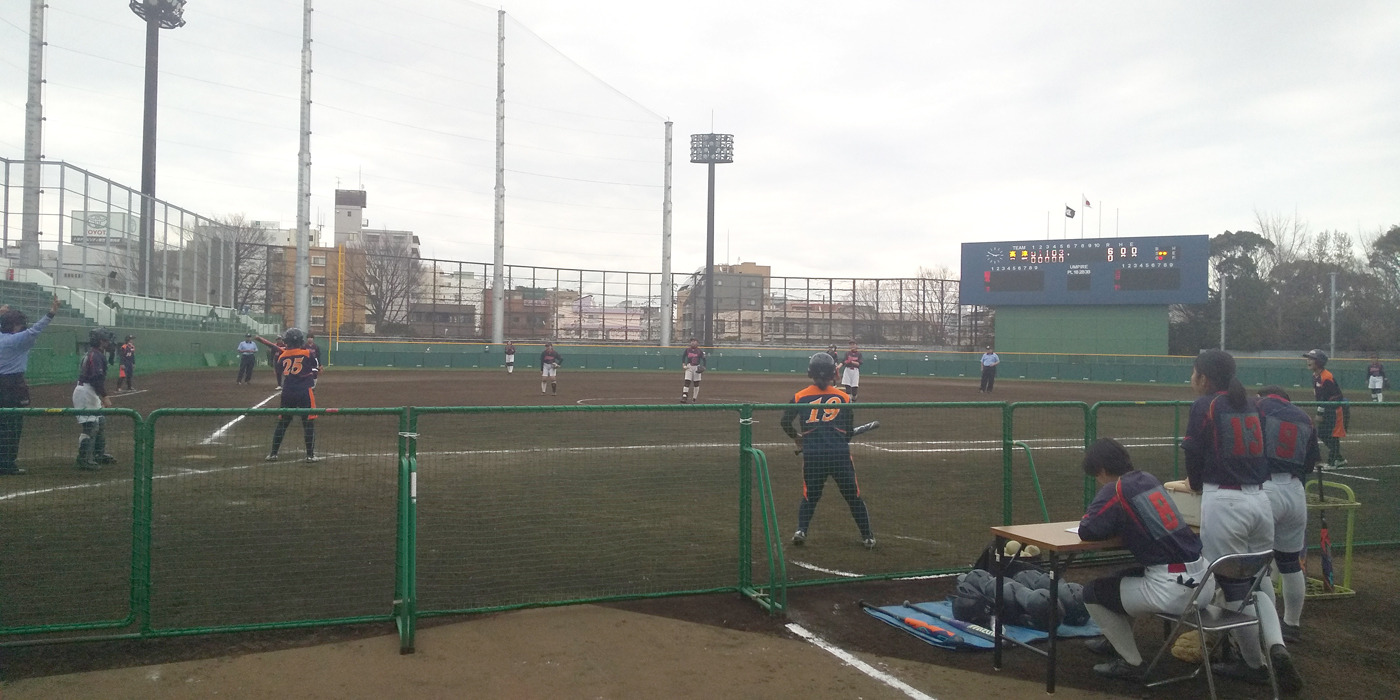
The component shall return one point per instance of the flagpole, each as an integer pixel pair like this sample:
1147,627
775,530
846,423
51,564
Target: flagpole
1100,218
1115,222
1084,201
1064,227
1047,224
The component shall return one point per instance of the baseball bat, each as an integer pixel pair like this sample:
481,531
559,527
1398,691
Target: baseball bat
978,630
920,624
858,430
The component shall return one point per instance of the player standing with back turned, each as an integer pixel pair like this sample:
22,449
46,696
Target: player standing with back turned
825,441
1225,463
693,361
1290,444
299,372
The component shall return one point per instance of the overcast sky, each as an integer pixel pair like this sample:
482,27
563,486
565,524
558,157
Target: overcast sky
870,138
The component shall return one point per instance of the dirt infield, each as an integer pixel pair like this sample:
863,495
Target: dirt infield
697,646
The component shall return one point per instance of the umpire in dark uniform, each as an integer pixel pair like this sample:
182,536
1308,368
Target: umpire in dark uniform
16,340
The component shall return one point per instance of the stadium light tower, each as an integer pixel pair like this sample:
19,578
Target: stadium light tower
158,14
711,149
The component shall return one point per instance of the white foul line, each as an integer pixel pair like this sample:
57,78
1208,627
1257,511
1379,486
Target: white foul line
833,572
220,432
859,665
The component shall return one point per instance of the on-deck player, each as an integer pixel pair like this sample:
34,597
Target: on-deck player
1225,462
91,392
1376,380
299,372
1133,505
825,441
126,355
693,362
549,369
1331,420
1290,443
850,373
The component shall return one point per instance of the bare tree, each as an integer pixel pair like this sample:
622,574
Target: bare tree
250,260
1287,232
388,276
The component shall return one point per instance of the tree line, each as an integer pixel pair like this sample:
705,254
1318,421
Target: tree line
1278,283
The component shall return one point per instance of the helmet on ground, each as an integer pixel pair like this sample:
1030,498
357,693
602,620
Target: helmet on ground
1317,356
821,367
1072,598
294,337
97,335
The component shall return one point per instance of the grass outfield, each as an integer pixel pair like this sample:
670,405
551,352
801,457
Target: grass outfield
519,508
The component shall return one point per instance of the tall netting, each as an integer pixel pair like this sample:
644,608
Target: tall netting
1049,436
239,540
92,238
535,505
66,550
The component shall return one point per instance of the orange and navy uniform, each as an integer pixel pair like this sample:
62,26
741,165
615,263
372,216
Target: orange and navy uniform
299,371
1332,422
826,420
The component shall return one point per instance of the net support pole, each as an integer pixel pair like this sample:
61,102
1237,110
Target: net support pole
667,288
302,276
498,298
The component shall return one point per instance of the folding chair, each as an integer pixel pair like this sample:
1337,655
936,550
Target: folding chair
1209,619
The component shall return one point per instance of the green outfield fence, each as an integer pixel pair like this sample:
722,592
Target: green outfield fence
428,511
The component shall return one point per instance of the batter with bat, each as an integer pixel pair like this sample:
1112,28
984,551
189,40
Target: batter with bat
824,438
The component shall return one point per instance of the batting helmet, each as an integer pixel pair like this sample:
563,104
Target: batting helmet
1036,604
1072,600
821,367
97,335
1033,579
294,337
1317,356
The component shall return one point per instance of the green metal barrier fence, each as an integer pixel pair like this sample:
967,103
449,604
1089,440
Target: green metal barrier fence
429,511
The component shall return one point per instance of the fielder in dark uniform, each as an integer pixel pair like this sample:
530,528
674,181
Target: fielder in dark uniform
16,340
549,369
825,440
299,370
850,371
1331,420
693,362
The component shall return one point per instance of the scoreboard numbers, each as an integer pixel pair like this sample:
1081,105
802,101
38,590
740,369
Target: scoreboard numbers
1142,271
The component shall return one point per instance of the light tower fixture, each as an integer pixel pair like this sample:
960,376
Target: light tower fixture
158,15
711,149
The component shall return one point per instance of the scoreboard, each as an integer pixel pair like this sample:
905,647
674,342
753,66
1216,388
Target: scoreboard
1144,271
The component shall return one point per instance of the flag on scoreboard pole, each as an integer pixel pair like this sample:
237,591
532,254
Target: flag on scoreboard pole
1069,213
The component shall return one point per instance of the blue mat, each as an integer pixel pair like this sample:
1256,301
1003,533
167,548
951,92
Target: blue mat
953,638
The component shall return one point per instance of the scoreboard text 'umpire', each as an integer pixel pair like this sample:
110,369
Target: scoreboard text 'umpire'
1145,271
